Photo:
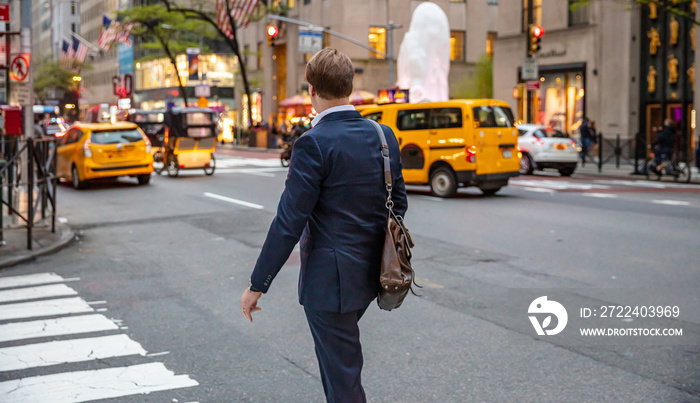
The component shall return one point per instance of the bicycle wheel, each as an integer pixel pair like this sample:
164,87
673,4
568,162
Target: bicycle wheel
682,172
652,173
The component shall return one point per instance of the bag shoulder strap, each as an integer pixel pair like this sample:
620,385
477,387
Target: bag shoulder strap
385,156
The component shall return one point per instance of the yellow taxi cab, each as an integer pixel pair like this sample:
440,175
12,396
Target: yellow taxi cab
103,150
467,142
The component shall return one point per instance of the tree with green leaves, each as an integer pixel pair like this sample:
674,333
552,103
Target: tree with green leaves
52,76
166,33
479,84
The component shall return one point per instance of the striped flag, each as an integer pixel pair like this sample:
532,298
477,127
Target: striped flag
80,51
241,10
65,49
105,39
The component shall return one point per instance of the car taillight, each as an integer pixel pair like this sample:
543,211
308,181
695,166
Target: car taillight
573,144
538,142
520,152
148,143
87,152
471,154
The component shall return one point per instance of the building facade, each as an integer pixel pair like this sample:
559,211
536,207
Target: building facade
277,72
626,68
97,80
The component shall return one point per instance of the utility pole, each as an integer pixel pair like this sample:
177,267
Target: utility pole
530,21
390,51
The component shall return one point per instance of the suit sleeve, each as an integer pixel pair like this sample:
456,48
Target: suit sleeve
299,198
398,193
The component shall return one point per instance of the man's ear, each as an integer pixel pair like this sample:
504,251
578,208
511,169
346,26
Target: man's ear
312,90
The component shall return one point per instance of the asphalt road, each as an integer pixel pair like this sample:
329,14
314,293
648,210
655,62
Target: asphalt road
167,263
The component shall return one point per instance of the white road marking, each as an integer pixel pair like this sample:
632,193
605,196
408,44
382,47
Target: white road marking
231,162
38,309
55,327
97,302
67,351
432,198
558,185
601,195
46,291
30,279
538,190
234,201
158,354
671,202
81,386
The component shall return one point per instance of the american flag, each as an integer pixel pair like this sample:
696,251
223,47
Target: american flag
106,35
65,49
80,51
241,10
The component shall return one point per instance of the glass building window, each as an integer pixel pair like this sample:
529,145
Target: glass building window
72,8
536,13
377,40
73,28
578,13
457,46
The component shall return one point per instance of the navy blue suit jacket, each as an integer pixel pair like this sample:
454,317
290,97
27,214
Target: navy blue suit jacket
334,200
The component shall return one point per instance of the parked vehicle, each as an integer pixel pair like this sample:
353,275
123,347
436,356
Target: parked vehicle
103,150
51,122
543,148
453,143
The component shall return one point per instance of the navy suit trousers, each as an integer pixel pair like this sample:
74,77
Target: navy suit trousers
339,353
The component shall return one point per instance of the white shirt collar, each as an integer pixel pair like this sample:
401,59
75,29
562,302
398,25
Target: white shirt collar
341,108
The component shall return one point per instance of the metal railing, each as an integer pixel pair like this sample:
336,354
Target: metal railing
28,166
631,151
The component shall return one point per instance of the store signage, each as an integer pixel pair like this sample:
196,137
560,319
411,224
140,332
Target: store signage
4,12
533,85
124,103
392,96
310,41
551,53
202,90
530,69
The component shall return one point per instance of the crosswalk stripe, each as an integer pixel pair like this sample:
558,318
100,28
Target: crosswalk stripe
30,279
46,291
671,202
63,306
55,327
67,351
601,195
81,386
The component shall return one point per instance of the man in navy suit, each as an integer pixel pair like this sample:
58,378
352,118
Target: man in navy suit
334,200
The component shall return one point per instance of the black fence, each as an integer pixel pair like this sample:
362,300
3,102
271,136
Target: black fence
631,151
28,166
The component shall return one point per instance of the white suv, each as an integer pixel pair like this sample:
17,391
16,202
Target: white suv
543,147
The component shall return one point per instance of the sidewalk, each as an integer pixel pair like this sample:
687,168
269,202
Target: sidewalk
15,251
625,171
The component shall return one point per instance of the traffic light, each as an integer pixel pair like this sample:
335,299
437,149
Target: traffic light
535,36
272,32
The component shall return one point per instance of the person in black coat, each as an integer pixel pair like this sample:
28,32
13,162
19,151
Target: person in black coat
665,142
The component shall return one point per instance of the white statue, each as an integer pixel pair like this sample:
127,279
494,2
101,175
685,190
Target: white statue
424,58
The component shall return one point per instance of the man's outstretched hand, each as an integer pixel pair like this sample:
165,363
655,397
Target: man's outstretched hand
249,303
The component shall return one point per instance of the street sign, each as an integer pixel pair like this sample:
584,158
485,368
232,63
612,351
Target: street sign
530,69
4,12
533,85
3,50
23,92
19,69
310,41
202,90
202,102
124,103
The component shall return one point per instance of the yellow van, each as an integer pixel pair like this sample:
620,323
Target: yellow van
471,142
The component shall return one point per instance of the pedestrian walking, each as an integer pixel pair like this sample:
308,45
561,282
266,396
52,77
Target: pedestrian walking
593,131
585,133
334,200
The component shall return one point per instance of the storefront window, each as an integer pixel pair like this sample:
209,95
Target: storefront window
559,101
457,46
160,73
377,40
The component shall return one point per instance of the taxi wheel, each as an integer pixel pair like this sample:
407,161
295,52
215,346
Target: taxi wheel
526,166
212,166
443,182
144,179
490,191
566,171
172,167
75,179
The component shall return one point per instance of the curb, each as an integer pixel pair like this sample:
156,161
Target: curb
67,236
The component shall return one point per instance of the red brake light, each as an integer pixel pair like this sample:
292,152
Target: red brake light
471,154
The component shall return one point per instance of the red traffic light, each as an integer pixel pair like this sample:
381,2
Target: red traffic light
537,32
272,31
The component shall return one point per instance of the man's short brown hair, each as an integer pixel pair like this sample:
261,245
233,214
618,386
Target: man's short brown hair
331,72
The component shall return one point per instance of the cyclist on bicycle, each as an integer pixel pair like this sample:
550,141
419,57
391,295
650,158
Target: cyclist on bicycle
665,142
